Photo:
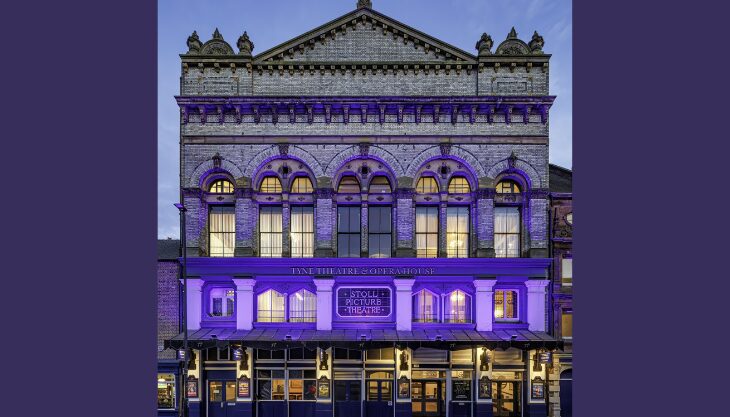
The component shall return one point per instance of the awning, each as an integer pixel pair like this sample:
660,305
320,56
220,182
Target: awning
443,338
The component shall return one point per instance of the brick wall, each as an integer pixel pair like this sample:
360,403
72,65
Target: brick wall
167,306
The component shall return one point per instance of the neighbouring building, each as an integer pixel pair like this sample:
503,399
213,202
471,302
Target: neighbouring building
367,225
561,237
168,325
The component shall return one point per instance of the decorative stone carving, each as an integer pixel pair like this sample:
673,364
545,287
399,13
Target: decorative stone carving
217,159
194,43
512,45
283,149
445,148
216,46
512,160
484,45
536,44
245,46
364,148
364,3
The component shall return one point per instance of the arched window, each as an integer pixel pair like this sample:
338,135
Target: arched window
221,230
270,185
302,185
507,187
425,307
457,231
221,187
222,302
348,184
379,185
302,307
505,305
457,307
270,307
459,185
427,185
507,232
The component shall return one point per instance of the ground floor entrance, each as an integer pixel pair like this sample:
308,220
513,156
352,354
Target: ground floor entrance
221,398
380,399
348,398
428,398
506,401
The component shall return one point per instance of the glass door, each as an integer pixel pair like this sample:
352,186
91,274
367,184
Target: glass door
505,398
427,398
379,400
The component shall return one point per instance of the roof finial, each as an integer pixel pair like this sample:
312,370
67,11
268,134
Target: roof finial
512,34
364,3
217,35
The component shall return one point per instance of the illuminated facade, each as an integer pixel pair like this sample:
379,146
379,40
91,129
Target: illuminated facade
367,224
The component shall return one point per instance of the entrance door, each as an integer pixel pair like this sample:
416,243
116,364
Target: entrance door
221,398
566,393
505,398
347,398
427,398
379,398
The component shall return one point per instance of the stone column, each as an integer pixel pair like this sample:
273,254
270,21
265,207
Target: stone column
324,217
324,302
405,227
483,301
285,228
485,226
244,303
442,229
536,304
364,228
403,302
194,299
247,216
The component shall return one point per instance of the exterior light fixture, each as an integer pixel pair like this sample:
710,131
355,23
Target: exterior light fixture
287,337
439,338
484,360
181,355
537,367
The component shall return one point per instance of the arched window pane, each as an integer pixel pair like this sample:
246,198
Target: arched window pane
459,185
302,185
457,232
270,307
222,230
457,307
349,184
507,232
222,302
270,185
379,185
302,307
425,307
427,185
507,187
221,187
505,305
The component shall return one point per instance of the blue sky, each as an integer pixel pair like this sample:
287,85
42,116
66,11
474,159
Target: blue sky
269,23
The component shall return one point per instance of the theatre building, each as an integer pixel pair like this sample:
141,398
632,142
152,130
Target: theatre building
366,224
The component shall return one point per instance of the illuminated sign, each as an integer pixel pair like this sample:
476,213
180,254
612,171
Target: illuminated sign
363,301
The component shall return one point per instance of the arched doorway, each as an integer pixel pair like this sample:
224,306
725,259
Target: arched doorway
566,393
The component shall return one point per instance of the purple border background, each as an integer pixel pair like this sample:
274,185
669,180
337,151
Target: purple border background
80,86
80,169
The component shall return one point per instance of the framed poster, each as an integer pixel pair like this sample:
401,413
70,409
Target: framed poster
244,387
461,390
538,389
485,388
404,388
191,388
323,387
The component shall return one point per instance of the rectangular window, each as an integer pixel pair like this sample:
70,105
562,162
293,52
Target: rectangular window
382,354
302,354
507,232
270,232
348,232
566,324
222,230
302,232
265,354
302,385
379,231
566,272
457,232
348,354
427,231
166,391
270,384
505,305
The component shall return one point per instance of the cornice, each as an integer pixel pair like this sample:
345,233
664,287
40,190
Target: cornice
282,109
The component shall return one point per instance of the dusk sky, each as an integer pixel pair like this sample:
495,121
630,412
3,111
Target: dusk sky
269,23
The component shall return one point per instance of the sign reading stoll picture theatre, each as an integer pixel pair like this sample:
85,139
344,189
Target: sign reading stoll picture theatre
363,301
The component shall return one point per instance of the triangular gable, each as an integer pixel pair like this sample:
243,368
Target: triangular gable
364,35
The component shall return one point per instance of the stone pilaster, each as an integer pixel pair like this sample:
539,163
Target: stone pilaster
484,303
244,303
324,302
